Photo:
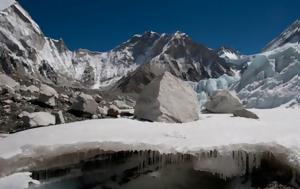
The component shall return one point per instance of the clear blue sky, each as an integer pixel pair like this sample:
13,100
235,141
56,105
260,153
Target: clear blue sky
246,25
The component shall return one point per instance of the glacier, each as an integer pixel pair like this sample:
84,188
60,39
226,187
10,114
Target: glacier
272,78
207,87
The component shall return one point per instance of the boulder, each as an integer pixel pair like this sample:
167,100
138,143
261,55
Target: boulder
64,98
36,119
98,98
245,113
30,91
167,99
59,117
103,111
33,89
85,103
121,104
223,102
113,111
8,83
47,95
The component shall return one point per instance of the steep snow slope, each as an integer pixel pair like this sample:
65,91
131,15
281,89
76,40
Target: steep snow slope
236,60
290,35
26,50
272,78
276,131
5,4
228,53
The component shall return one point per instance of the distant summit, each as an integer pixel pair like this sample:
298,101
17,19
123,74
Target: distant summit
290,35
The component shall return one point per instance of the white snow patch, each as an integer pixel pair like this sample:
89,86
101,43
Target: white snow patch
5,4
17,181
275,127
230,55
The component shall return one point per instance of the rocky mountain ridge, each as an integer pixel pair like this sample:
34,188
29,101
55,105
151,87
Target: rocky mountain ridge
25,50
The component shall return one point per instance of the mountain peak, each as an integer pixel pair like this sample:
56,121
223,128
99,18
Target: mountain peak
179,34
289,35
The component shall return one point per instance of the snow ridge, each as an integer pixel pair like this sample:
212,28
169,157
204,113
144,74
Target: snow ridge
289,35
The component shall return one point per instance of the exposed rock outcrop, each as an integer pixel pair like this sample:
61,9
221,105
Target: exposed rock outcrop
8,83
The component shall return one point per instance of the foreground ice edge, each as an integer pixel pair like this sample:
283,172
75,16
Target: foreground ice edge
276,131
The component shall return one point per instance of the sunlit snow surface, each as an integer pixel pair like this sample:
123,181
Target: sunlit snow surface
277,131
275,126
5,4
16,181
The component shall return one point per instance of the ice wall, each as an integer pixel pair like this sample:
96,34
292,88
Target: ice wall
207,87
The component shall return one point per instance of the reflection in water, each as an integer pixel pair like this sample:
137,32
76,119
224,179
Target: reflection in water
149,169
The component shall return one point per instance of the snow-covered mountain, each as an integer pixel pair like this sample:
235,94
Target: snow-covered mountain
228,53
273,77
25,50
179,55
268,79
290,35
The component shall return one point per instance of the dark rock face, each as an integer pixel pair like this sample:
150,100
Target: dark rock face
137,80
48,72
245,113
113,111
179,55
88,76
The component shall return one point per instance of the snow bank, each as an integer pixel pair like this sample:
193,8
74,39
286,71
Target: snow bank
276,127
17,181
5,4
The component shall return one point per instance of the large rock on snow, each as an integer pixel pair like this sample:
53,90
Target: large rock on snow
48,95
167,99
36,119
8,83
85,103
245,113
223,102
